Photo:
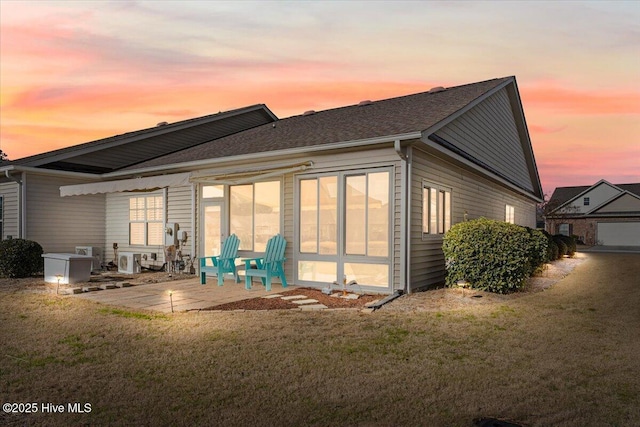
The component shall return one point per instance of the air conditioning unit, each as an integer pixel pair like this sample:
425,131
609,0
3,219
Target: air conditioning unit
96,253
129,263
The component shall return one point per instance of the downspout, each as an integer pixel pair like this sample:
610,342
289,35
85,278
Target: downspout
193,226
21,203
405,199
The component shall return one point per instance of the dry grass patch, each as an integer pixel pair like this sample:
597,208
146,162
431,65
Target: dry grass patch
563,357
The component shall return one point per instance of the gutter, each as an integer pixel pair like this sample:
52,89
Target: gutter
41,171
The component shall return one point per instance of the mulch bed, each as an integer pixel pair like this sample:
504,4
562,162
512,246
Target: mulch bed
280,304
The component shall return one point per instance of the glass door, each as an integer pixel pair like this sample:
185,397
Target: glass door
213,228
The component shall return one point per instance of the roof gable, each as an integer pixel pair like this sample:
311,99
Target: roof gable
623,203
488,135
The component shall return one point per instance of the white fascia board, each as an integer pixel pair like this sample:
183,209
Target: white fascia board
197,164
48,172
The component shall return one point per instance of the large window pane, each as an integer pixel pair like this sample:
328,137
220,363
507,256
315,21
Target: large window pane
355,223
309,216
241,214
328,227
378,214
367,274
267,213
254,213
136,233
317,271
155,233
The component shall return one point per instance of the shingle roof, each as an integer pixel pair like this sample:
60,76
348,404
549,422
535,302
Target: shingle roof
395,116
115,152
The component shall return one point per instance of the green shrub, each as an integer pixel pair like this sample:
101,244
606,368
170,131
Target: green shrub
490,255
562,246
538,249
20,258
552,247
571,243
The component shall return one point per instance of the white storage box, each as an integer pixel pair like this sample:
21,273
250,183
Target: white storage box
70,268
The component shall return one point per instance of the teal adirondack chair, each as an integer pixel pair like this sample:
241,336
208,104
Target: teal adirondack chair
270,266
223,263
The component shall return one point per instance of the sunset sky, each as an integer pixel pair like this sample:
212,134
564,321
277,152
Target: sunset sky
72,72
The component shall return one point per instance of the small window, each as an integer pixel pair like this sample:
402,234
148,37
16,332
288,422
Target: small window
146,225
586,201
510,214
436,209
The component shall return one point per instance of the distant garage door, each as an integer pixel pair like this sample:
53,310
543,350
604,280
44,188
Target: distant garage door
619,233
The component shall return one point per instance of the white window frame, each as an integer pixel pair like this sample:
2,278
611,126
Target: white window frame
510,214
244,247
443,210
146,221
341,258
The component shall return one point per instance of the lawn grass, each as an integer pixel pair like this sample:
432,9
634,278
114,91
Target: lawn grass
564,357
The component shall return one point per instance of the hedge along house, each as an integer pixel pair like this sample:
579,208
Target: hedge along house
365,191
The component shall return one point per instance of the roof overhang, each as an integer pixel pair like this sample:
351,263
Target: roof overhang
149,183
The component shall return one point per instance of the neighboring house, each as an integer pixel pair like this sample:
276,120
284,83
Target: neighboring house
365,191
600,214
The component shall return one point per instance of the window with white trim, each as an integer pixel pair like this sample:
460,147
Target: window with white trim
510,214
146,221
254,213
436,209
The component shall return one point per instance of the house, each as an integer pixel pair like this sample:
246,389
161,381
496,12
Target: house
364,191
600,214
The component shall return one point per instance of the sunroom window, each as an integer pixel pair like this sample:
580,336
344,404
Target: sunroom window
254,213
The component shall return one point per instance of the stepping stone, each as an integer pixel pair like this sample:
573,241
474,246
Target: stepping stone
77,290
272,296
123,285
90,288
291,297
304,301
107,286
312,307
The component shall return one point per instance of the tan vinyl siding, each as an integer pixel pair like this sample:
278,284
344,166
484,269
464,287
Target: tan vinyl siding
178,210
179,206
625,203
60,224
488,133
11,212
470,193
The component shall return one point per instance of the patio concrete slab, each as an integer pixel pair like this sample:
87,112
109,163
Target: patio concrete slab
187,294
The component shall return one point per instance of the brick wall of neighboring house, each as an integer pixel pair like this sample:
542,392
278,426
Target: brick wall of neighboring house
585,228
